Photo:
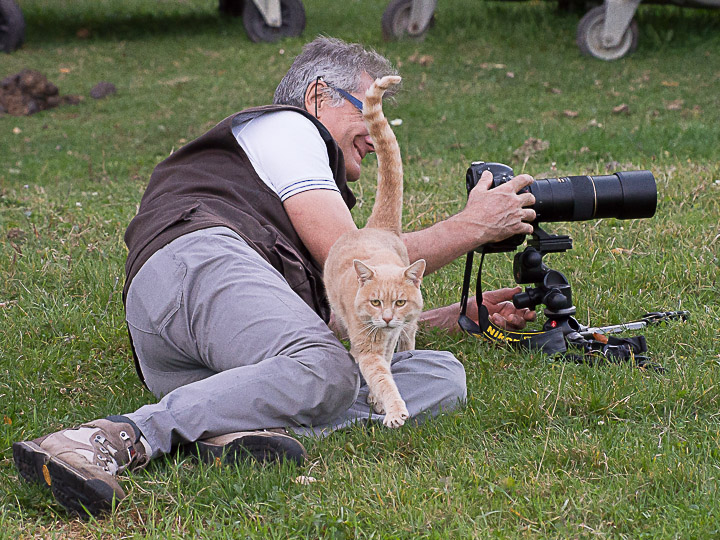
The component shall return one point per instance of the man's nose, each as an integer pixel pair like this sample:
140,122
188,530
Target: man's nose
369,143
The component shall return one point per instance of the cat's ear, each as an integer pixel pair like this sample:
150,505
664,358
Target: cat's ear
414,272
364,272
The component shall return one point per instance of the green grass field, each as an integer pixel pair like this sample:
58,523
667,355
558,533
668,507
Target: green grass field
542,449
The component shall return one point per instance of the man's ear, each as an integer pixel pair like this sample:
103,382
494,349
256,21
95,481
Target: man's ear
311,94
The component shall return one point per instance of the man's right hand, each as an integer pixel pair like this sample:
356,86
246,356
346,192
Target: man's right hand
491,215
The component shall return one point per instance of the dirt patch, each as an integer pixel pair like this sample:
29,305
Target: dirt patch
28,92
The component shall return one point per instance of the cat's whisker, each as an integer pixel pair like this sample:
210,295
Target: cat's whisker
367,330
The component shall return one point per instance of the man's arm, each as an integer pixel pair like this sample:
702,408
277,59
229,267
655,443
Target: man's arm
500,308
320,217
490,215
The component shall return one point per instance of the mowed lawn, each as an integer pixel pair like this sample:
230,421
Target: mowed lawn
542,448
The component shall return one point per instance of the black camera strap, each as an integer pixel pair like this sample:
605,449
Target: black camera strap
550,342
594,350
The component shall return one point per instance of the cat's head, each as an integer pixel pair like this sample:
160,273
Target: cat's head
389,295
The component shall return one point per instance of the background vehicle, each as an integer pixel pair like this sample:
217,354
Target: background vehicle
608,31
264,20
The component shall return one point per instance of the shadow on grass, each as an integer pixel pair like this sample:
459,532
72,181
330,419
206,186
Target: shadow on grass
65,28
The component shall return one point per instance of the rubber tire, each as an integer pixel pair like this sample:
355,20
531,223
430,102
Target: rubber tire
231,8
396,21
12,26
293,21
589,36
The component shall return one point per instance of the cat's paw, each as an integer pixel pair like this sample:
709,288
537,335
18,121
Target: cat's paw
375,404
397,416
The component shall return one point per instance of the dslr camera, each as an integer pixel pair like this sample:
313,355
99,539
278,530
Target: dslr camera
622,195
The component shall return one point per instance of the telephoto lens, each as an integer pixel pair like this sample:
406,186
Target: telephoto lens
623,195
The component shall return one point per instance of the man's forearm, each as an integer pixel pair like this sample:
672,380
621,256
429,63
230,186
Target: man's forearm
490,215
439,244
445,317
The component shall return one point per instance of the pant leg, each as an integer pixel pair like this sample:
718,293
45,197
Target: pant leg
229,346
430,382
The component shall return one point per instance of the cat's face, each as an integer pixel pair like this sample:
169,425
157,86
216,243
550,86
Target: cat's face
389,296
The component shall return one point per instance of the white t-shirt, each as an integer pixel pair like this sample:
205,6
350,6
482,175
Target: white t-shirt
287,152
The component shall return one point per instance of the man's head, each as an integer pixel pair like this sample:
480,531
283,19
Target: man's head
325,66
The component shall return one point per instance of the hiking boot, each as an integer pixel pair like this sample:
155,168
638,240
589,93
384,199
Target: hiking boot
263,446
80,464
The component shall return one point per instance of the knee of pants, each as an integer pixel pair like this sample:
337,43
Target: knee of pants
338,383
457,382
452,381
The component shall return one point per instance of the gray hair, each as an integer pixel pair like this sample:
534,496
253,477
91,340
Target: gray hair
340,64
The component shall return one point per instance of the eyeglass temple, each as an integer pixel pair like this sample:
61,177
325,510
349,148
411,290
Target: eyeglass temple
347,95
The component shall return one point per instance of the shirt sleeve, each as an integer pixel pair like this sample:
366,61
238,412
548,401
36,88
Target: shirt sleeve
287,152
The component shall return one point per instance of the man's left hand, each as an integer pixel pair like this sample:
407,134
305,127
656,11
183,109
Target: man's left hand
502,311
498,303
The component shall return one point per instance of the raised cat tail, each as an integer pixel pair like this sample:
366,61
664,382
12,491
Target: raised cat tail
387,210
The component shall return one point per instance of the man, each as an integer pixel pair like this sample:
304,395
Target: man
224,298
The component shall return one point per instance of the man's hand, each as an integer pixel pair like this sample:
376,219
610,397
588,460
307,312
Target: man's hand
498,213
502,311
498,303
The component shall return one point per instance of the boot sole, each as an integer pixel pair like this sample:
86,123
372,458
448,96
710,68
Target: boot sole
79,494
262,449
31,462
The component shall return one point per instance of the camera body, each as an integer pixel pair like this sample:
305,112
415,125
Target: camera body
623,195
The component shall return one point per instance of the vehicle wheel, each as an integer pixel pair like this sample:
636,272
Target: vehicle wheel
396,21
233,8
293,21
12,26
589,36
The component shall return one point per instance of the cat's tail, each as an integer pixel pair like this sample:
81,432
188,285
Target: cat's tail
387,211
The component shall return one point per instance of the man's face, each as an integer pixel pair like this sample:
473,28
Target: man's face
346,125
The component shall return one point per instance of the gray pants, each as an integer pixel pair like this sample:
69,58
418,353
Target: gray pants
227,346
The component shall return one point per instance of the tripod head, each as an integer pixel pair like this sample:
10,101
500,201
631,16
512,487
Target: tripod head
552,288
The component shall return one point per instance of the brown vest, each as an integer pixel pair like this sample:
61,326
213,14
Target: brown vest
210,182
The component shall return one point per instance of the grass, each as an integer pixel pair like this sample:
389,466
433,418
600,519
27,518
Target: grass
542,449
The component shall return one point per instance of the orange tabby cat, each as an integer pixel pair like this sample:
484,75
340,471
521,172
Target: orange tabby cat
373,289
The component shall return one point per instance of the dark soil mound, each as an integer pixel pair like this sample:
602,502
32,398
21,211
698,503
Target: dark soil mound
29,92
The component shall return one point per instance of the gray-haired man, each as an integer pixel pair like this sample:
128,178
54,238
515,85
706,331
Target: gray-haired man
224,298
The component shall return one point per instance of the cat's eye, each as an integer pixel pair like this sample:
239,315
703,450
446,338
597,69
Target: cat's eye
375,303
400,303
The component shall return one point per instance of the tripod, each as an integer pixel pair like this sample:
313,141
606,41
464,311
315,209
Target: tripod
552,289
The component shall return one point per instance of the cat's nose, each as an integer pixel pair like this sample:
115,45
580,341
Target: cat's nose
387,318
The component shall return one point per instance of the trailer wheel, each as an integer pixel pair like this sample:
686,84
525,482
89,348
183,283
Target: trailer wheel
12,26
293,21
589,36
396,21
231,8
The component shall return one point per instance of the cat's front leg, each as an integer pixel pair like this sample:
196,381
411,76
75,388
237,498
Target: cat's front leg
375,404
406,341
396,414
375,370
